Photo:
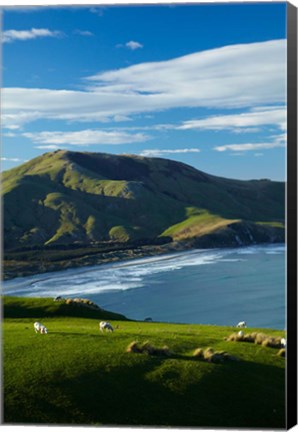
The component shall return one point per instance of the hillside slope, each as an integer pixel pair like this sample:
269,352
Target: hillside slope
75,375
69,198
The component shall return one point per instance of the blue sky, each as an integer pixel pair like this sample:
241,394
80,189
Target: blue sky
202,84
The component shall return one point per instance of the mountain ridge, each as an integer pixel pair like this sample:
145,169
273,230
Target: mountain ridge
65,197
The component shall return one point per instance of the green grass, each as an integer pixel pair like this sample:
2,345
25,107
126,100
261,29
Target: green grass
119,233
198,223
75,375
22,307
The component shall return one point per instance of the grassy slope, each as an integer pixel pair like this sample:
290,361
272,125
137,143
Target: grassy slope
198,223
66,196
75,375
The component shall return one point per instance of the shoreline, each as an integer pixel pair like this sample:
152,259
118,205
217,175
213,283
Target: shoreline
159,286
23,269
27,268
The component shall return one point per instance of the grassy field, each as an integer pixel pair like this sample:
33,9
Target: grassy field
76,375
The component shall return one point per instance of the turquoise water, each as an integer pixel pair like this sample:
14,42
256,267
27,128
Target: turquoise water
214,286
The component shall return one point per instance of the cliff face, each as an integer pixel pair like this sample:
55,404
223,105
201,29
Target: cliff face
71,198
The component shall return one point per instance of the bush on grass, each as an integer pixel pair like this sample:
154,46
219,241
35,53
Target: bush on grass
257,338
212,356
149,349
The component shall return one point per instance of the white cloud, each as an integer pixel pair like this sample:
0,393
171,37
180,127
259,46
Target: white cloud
133,45
157,152
276,141
23,35
85,137
231,76
99,11
5,159
9,135
47,147
236,76
83,32
244,122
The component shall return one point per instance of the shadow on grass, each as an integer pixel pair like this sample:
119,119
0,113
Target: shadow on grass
158,392
71,334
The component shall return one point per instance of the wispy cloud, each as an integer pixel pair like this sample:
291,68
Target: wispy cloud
83,32
244,122
48,147
85,137
5,159
132,45
276,141
99,11
24,35
159,152
231,76
234,76
9,134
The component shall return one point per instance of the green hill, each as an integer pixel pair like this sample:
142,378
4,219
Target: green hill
78,376
82,198
67,209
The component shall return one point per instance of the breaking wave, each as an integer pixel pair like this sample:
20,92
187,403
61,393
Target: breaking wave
127,275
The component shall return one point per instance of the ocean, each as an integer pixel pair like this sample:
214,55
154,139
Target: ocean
206,286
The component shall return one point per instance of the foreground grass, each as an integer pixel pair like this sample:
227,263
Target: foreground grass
75,375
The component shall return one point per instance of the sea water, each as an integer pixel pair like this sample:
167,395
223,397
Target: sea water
214,286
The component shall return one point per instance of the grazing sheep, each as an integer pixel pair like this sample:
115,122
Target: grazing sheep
241,333
283,342
105,326
241,324
40,328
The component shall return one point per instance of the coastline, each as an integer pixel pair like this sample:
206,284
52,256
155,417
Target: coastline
43,264
27,268
178,286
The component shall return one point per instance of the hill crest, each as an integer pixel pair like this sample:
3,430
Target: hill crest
66,197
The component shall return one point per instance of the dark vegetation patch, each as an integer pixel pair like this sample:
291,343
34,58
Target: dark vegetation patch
22,307
110,166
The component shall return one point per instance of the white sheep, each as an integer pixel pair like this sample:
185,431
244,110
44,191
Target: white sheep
241,333
40,328
105,326
241,324
283,342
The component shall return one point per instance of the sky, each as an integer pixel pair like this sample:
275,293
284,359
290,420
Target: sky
203,84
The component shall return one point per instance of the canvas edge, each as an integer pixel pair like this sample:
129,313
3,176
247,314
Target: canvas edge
291,370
